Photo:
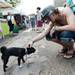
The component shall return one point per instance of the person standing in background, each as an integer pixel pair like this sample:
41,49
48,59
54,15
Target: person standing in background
10,20
32,21
39,17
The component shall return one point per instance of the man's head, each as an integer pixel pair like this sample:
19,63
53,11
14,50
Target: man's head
38,9
55,15
3,49
50,14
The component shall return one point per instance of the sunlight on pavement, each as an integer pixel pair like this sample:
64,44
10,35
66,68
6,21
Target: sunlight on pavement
28,30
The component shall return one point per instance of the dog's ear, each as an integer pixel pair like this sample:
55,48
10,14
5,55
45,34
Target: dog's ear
3,49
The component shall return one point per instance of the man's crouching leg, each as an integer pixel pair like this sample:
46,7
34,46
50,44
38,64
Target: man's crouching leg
68,48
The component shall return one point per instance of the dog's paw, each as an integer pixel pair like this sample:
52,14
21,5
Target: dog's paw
24,61
6,66
20,66
4,70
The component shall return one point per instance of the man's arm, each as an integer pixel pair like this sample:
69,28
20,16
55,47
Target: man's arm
66,27
70,20
43,34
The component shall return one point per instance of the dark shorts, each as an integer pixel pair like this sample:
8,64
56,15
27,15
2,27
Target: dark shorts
64,35
68,34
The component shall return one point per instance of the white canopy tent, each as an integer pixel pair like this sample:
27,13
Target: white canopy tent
4,4
5,7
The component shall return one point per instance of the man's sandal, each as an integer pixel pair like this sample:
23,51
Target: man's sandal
69,54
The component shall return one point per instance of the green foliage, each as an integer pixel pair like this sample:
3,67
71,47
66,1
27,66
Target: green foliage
13,2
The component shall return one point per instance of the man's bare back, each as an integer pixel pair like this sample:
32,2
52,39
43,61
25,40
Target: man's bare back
69,15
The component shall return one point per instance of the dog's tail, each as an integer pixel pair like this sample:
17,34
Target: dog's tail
3,49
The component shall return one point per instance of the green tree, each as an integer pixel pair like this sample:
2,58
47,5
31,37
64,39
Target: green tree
13,2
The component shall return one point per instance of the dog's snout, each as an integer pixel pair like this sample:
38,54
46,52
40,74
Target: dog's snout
30,50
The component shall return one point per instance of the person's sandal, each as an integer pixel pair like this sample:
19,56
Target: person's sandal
69,54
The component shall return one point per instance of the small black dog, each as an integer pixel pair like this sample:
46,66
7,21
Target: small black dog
14,51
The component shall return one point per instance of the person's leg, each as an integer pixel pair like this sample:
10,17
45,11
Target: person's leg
10,25
56,37
39,26
66,38
62,38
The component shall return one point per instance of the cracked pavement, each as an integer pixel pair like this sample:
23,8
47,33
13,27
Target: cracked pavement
45,61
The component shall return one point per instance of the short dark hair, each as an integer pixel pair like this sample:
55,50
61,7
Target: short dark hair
39,8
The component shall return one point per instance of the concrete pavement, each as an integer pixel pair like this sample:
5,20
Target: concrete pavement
44,61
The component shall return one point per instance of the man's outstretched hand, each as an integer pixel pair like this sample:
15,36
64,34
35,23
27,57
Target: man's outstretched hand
30,44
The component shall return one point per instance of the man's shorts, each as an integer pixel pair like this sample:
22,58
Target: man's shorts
66,36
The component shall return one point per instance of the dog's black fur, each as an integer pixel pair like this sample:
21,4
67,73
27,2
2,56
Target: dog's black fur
14,51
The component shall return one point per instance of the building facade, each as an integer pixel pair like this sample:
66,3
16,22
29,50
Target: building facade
13,2
58,3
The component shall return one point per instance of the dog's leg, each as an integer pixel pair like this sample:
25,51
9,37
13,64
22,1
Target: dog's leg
4,65
19,60
23,60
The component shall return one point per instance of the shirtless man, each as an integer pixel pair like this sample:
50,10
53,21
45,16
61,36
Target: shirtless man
64,25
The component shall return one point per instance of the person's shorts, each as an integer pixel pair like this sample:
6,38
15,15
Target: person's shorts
39,23
65,35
